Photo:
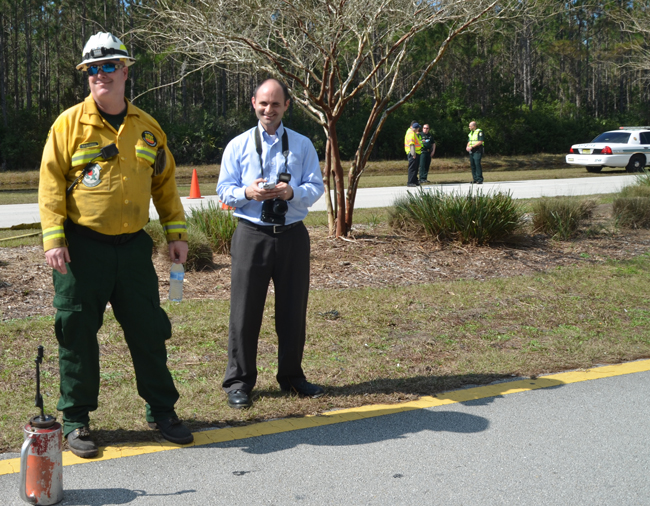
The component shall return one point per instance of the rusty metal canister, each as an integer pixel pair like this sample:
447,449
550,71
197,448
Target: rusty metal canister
41,470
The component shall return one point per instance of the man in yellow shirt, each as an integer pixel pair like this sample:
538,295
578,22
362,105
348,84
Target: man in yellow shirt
413,148
103,161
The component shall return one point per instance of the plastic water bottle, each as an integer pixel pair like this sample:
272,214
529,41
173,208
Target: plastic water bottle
176,276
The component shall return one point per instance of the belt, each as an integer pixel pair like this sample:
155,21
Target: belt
269,229
97,236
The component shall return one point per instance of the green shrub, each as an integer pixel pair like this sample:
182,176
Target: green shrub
199,250
157,234
643,179
636,190
474,217
217,225
561,217
632,206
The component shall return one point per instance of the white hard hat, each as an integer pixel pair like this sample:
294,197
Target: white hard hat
104,46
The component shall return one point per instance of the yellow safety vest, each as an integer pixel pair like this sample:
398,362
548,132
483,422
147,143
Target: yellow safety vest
114,198
412,138
473,137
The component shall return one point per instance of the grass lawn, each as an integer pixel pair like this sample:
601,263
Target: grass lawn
366,346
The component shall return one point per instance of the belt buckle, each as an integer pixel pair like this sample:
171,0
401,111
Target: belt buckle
275,231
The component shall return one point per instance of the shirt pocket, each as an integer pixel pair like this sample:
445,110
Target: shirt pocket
96,177
145,155
83,155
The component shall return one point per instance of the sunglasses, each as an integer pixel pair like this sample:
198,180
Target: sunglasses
107,68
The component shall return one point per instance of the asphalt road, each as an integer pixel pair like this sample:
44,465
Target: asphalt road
17,214
580,443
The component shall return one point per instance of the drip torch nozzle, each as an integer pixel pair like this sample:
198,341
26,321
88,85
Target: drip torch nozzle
39,398
43,420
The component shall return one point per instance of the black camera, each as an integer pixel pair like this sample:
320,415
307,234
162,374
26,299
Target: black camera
275,210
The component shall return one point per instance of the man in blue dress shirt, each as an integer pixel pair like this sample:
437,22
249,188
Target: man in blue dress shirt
271,176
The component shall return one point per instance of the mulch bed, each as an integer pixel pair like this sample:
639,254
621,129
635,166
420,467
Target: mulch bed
370,257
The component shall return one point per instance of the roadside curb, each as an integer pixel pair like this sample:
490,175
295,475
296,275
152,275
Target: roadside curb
213,436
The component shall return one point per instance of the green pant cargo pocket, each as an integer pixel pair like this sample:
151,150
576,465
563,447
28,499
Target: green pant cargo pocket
65,303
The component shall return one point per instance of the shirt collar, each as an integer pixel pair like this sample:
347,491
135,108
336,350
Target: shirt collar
266,137
92,116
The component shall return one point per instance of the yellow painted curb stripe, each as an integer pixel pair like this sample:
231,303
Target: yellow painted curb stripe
10,466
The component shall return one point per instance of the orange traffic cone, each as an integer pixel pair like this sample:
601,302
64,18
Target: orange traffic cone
195,193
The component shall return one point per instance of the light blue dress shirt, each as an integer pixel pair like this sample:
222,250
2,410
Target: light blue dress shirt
240,166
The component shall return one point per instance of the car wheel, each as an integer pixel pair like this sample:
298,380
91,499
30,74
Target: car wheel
594,169
636,163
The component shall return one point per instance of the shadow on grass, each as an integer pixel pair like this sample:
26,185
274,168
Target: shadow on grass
416,385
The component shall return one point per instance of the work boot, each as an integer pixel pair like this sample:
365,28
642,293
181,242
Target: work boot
80,443
173,430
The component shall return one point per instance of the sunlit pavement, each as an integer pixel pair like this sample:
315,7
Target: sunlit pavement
576,438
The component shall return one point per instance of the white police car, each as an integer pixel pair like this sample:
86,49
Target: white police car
627,147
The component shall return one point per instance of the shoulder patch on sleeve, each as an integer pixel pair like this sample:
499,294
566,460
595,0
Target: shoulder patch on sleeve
149,138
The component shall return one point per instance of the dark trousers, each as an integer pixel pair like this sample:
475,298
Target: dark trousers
414,166
475,164
425,163
259,256
124,276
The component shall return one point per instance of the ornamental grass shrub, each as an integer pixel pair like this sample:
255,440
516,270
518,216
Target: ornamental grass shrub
199,249
561,217
157,234
474,217
631,207
217,225
643,179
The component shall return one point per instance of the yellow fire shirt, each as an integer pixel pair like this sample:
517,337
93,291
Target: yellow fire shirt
113,197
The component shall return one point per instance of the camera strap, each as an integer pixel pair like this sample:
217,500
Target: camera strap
285,148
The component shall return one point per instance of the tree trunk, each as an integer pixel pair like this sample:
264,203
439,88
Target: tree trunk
336,169
224,92
327,179
28,55
15,54
3,97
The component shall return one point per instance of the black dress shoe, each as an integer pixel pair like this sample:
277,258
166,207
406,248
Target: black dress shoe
302,387
173,430
412,185
80,443
238,399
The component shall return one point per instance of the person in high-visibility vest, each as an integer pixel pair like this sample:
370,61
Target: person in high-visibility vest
475,148
413,148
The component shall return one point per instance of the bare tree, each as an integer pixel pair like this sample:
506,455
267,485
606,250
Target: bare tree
634,19
328,52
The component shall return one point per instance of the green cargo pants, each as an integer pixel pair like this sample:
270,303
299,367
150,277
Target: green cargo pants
124,276
475,164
